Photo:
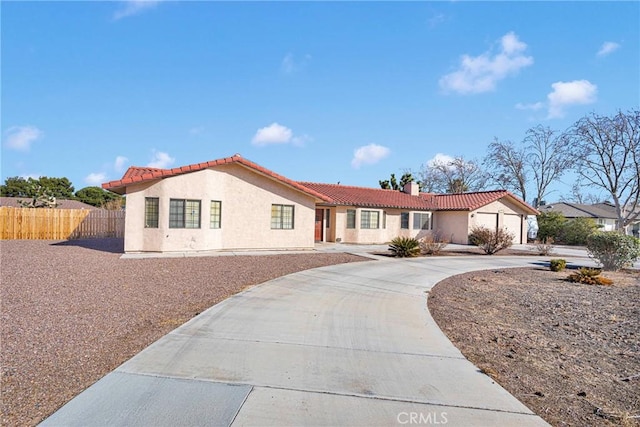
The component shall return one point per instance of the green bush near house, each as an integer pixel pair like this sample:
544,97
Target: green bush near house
549,225
553,225
557,264
613,250
577,231
403,247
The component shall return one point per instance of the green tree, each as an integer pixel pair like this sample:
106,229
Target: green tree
577,231
550,224
60,188
96,196
17,187
392,182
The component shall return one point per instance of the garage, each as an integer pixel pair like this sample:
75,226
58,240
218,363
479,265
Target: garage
513,224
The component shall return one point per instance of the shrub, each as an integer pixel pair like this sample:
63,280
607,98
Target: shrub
545,247
432,244
490,241
589,276
557,264
577,231
550,225
613,250
403,247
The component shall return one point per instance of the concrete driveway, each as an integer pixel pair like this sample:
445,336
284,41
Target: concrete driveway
345,345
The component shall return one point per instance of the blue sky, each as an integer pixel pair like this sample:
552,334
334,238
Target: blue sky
315,91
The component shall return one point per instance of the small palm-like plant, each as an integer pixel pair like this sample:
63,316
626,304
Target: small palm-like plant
589,276
403,247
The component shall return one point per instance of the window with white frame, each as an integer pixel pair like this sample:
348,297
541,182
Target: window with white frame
282,217
184,213
422,221
369,219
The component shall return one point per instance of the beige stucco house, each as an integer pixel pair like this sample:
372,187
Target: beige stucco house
235,204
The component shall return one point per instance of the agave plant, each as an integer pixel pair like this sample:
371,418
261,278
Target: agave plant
403,247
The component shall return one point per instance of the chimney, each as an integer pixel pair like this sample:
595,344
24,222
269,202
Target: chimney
411,188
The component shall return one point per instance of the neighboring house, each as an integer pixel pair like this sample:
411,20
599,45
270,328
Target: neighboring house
233,204
604,214
13,202
604,217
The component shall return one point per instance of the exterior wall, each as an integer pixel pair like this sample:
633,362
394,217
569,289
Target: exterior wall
607,224
456,225
245,218
453,226
339,232
506,215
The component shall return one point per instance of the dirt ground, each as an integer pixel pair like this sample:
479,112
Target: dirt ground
570,352
72,311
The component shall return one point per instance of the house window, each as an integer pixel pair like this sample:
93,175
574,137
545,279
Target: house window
404,220
327,219
351,218
370,219
384,219
151,212
216,214
421,221
184,213
282,217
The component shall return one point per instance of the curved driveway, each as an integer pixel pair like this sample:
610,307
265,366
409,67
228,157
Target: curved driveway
350,344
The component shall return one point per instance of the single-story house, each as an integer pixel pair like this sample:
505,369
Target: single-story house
604,214
234,204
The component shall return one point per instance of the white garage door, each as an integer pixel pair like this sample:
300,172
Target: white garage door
513,224
489,220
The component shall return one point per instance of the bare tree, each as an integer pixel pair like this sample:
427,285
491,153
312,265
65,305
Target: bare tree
456,175
608,157
579,196
547,157
509,166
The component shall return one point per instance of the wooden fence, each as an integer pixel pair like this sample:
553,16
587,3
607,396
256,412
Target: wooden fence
59,224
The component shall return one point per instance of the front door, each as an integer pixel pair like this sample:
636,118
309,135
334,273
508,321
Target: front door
319,228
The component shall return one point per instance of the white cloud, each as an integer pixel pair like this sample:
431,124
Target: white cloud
608,48
565,94
21,137
440,159
481,73
369,155
275,133
535,106
120,163
134,7
161,160
95,178
290,64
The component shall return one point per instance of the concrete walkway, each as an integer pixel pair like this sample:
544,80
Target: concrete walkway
345,345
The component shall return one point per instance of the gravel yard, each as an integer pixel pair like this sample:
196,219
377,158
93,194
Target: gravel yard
73,311
570,352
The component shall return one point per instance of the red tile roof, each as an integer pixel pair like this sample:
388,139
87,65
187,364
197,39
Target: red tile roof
369,197
472,201
337,194
141,174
